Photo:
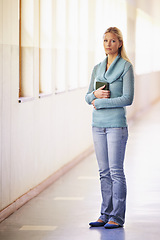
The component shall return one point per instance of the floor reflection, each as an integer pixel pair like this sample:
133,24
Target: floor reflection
110,234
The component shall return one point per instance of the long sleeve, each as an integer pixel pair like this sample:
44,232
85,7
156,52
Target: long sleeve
127,96
90,94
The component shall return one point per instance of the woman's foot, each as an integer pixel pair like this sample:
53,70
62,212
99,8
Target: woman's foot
99,220
112,224
98,223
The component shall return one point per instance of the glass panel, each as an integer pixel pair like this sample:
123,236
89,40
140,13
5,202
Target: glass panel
83,43
156,47
45,66
72,44
26,48
60,45
143,41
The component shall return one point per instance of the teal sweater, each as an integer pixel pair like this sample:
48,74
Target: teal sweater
111,112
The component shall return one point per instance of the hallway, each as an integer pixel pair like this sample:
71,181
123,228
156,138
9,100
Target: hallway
63,211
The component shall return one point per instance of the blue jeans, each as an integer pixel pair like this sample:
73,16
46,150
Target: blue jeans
110,144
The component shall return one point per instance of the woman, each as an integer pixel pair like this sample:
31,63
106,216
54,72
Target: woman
109,126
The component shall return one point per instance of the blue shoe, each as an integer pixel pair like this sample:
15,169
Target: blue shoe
97,224
111,226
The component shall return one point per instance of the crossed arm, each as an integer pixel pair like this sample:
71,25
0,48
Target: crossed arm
101,98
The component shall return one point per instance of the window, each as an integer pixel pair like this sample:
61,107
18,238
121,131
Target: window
45,47
26,48
59,42
109,14
60,46
156,46
83,43
72,44
143,43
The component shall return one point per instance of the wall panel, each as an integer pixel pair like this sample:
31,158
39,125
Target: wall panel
6,103
1,84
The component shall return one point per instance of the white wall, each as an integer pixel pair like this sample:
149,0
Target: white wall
1,77
40,136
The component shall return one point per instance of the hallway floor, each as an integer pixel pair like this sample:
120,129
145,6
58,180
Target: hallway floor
63,211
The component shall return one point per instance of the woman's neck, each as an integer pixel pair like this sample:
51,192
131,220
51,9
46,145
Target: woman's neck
111,58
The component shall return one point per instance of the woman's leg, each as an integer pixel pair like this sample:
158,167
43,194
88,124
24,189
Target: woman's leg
101,150
117,139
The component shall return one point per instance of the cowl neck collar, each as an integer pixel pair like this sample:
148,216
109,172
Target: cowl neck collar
114,72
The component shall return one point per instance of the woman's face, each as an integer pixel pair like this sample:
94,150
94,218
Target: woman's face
111,44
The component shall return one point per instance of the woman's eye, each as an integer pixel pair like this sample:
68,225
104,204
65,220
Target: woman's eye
113,41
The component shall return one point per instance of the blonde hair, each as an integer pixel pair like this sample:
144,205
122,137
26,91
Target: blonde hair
119,35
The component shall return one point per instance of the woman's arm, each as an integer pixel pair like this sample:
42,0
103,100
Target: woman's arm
94,94
90,94
127,97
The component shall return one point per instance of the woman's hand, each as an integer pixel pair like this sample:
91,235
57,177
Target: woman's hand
93,104
100,93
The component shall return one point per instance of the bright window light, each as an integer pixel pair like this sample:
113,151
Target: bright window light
60,44
26,48
46,23
83,43
45,53
73,44
27,23
143,43
109,14
156,47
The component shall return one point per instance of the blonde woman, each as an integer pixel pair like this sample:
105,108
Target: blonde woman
109,125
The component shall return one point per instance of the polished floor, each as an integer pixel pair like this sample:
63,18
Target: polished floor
63,211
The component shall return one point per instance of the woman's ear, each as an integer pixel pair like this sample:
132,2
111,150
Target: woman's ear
120,44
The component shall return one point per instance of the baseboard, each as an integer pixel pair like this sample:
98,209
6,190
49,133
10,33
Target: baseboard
7,211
